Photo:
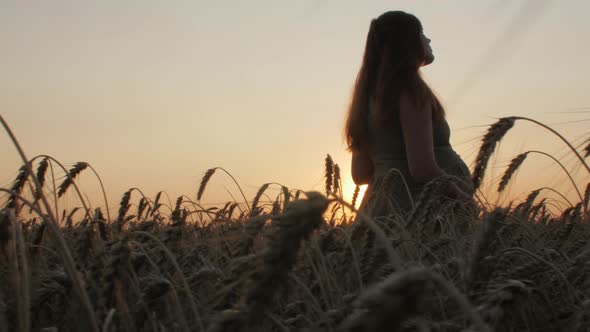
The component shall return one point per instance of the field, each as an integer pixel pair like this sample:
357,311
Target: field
302,262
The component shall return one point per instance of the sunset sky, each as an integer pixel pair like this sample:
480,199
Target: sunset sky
153,93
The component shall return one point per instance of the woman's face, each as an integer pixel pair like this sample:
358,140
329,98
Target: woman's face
428,56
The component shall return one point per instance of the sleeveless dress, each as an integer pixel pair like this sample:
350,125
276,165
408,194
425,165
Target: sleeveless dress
387,151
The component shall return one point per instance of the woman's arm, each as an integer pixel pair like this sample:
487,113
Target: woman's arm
362,167
417,131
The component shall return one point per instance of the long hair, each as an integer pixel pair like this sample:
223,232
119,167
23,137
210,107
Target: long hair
391,66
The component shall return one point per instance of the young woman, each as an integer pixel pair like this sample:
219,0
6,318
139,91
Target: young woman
396,121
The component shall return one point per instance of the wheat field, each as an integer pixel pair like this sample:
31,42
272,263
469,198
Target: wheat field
305,261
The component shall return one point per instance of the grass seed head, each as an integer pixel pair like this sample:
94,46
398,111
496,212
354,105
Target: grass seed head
17,186
329,172
355,195
494,134
41,171
208,174
70,177
124,205
337,178
514,165
256,199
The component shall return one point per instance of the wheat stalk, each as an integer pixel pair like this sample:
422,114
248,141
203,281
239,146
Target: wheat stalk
526,205
494,134
17,186
63,248
41,171
70,177
179,272
514,165
479,268
497,300
104,194
329,172
286,196
232,207
514,161
208,174
389,181
175,217
71,182
21,274
156,204
259,193
575,152
296,224
386,306
37,239
253,227
143,203
124,206
394,258
429,199
355,195
336,185
558,272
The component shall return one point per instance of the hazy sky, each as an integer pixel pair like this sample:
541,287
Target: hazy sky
153,93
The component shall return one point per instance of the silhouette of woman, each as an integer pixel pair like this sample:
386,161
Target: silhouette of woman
396,122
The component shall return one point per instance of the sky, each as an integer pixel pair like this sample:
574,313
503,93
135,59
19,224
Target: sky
153,93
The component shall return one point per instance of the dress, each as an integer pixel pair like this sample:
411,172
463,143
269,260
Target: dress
387,150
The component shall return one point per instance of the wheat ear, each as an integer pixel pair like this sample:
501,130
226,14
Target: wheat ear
256,199
494,134
70,177
41,171
514,165
124,206
208,174
329,172
355,195
17,186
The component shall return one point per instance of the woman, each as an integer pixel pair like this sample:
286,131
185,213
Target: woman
396,122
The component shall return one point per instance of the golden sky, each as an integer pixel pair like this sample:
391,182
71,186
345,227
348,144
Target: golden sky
153,93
